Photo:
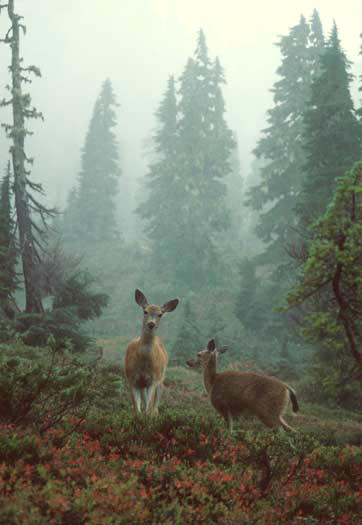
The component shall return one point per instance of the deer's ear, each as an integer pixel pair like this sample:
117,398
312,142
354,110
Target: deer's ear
222,349
140,298
191,363
211,345
169,306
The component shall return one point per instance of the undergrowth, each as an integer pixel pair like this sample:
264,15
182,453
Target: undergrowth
181,467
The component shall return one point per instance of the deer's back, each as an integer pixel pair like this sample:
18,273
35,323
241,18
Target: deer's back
143,366
238,391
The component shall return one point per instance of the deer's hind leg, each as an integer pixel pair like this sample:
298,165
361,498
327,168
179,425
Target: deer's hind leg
285,425
226,414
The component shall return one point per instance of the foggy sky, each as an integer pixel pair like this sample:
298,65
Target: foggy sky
137,44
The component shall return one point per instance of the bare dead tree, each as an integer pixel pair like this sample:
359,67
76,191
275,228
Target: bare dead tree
31,230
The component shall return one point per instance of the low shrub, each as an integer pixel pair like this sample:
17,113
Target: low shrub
108,466
179,468
40,386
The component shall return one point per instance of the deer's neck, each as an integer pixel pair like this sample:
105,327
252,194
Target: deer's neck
147,340
210,373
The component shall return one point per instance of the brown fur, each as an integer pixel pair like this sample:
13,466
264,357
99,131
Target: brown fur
146,358
137,362
232,393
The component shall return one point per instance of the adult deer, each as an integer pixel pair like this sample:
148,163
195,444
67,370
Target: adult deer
232,392
146,357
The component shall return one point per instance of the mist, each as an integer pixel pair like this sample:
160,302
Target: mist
137,44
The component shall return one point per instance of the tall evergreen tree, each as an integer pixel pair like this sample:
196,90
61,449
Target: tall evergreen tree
186,207
281,146
331,135
281,157
234,198
8,255
93,208
316,43
31,215
161,221
203,162
360,89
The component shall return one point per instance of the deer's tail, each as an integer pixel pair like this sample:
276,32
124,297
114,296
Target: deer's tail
293,399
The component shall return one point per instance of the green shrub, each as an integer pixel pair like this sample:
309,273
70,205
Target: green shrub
39,386
14,446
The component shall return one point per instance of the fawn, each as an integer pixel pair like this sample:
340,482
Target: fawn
146,357
234,392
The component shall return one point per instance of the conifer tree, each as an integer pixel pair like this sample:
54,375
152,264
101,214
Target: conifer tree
316,43
234,198
205,145
161,221
185,210
331,135
32,232
360,89
91,212
8,255
281,146
281,158
31,224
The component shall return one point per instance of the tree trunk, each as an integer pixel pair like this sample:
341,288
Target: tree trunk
28,252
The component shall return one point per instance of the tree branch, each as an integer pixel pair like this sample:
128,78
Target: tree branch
343,306
314,291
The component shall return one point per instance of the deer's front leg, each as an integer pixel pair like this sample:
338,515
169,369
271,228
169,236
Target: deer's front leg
149,394
136,399
157,397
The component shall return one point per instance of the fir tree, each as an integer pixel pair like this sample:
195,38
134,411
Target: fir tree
8,255
31,223
316,43
185,210
331,135
205,145
281,158
31,215
281,147
91,211
161,221
360,89
234,198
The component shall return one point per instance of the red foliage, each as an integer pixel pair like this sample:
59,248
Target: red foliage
91,478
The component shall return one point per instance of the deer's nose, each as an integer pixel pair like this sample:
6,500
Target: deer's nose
151,324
